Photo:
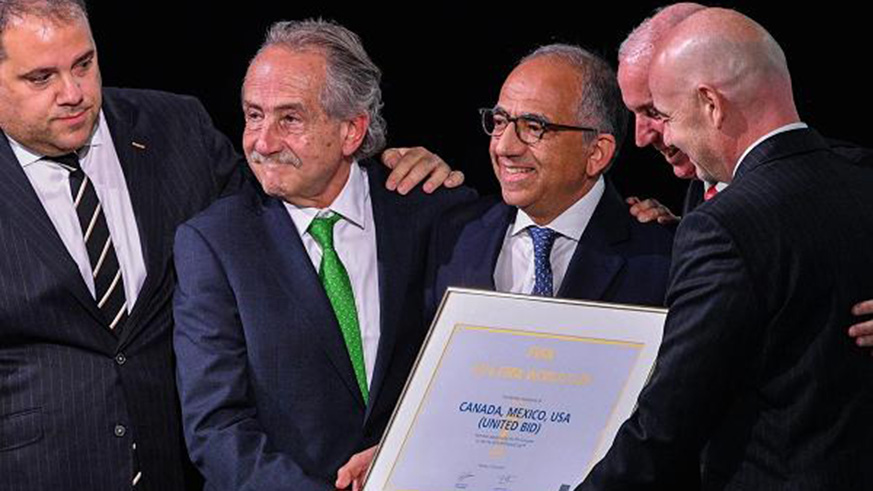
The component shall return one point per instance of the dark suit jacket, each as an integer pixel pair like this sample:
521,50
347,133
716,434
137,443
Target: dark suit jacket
74,397
693,196
617,258
269,396
849,151
755,358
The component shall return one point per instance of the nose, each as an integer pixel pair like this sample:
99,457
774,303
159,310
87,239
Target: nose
667,136
508,143
70,93
267,141
645,131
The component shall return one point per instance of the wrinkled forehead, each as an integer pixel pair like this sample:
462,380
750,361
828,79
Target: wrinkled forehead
541,86
280,73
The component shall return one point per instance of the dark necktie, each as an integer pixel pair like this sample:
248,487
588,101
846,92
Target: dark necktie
105,270
338,288
543,240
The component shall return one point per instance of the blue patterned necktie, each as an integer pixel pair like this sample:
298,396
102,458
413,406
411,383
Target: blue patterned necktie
543,240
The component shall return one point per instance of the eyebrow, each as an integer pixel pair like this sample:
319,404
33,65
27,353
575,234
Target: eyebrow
537,116
291,106
658,112
49,70
36,72
85,57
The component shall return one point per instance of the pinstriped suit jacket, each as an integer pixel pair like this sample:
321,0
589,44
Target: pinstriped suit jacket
73,396
755,360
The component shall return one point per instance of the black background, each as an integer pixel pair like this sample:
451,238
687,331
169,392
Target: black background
442,61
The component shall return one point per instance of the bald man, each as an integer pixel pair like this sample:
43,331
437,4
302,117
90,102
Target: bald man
634,59
755,360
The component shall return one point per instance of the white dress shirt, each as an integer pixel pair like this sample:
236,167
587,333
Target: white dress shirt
515,271
354,238
51,181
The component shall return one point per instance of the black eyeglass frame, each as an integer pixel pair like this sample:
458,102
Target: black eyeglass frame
546,126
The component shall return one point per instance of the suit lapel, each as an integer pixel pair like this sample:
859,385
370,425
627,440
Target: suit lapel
305,291
394,241
594,264
779,146
483,245
23,209
134,152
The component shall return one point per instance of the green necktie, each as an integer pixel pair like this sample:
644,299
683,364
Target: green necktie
338,287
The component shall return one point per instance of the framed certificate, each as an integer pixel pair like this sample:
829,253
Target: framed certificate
513,392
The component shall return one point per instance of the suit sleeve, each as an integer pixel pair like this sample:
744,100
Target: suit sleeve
227,166
431,295
708,353
222,432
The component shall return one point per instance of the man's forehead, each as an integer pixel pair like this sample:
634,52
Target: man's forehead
541,87
43,26
34,41
281,74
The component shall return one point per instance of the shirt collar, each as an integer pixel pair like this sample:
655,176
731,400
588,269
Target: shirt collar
719,186
28,157
781,129
349,204
572,222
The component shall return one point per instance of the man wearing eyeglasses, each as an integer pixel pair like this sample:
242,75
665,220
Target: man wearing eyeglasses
561,229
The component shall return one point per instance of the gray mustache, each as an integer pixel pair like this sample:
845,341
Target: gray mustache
285,157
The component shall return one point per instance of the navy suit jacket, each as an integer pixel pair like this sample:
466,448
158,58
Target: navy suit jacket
617,258
269,396
74,397
693,196
846,150
756,361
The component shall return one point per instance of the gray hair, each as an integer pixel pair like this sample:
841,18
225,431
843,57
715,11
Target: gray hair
60,11
352,80
639,46
600,102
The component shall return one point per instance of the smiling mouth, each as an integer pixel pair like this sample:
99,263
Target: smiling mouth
517,170
670,152
515,175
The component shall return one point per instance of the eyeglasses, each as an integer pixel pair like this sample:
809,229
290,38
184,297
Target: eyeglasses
529,128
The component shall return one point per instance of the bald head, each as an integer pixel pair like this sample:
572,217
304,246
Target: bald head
726,72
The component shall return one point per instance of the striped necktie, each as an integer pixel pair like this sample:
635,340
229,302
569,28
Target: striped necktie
105,269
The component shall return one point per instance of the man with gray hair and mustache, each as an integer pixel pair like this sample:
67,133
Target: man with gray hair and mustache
299,305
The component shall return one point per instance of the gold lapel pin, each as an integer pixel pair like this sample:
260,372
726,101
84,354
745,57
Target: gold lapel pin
138,145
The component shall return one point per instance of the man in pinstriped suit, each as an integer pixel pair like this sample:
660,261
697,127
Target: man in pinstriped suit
87,399
755,361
